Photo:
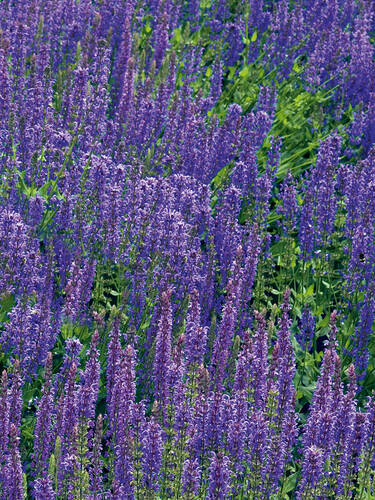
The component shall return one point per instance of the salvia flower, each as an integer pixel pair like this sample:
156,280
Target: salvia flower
219,482
191,477
151,446
163,349
13,470
43,435
195,334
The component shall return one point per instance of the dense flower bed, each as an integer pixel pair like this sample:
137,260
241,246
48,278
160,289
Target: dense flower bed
187,253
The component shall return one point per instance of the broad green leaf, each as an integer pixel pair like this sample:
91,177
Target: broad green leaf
244,72
290,483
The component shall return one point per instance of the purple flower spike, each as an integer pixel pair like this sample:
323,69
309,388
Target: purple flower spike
88,393
191,477
312,471
4,423
219,482
13,474
195,334
151,454
43,440
163,349
96,463
43,489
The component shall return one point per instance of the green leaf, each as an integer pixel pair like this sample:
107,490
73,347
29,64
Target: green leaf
24,484
307,392
145,324
254,36
232,70
44,189
221,177
6,305
178,35
245,72
290,483
25,189
324,322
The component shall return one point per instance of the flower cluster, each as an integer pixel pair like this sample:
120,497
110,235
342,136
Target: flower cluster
187,263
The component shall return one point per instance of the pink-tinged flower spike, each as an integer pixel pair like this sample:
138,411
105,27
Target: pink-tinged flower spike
13,470
162,358
333,329
43,438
